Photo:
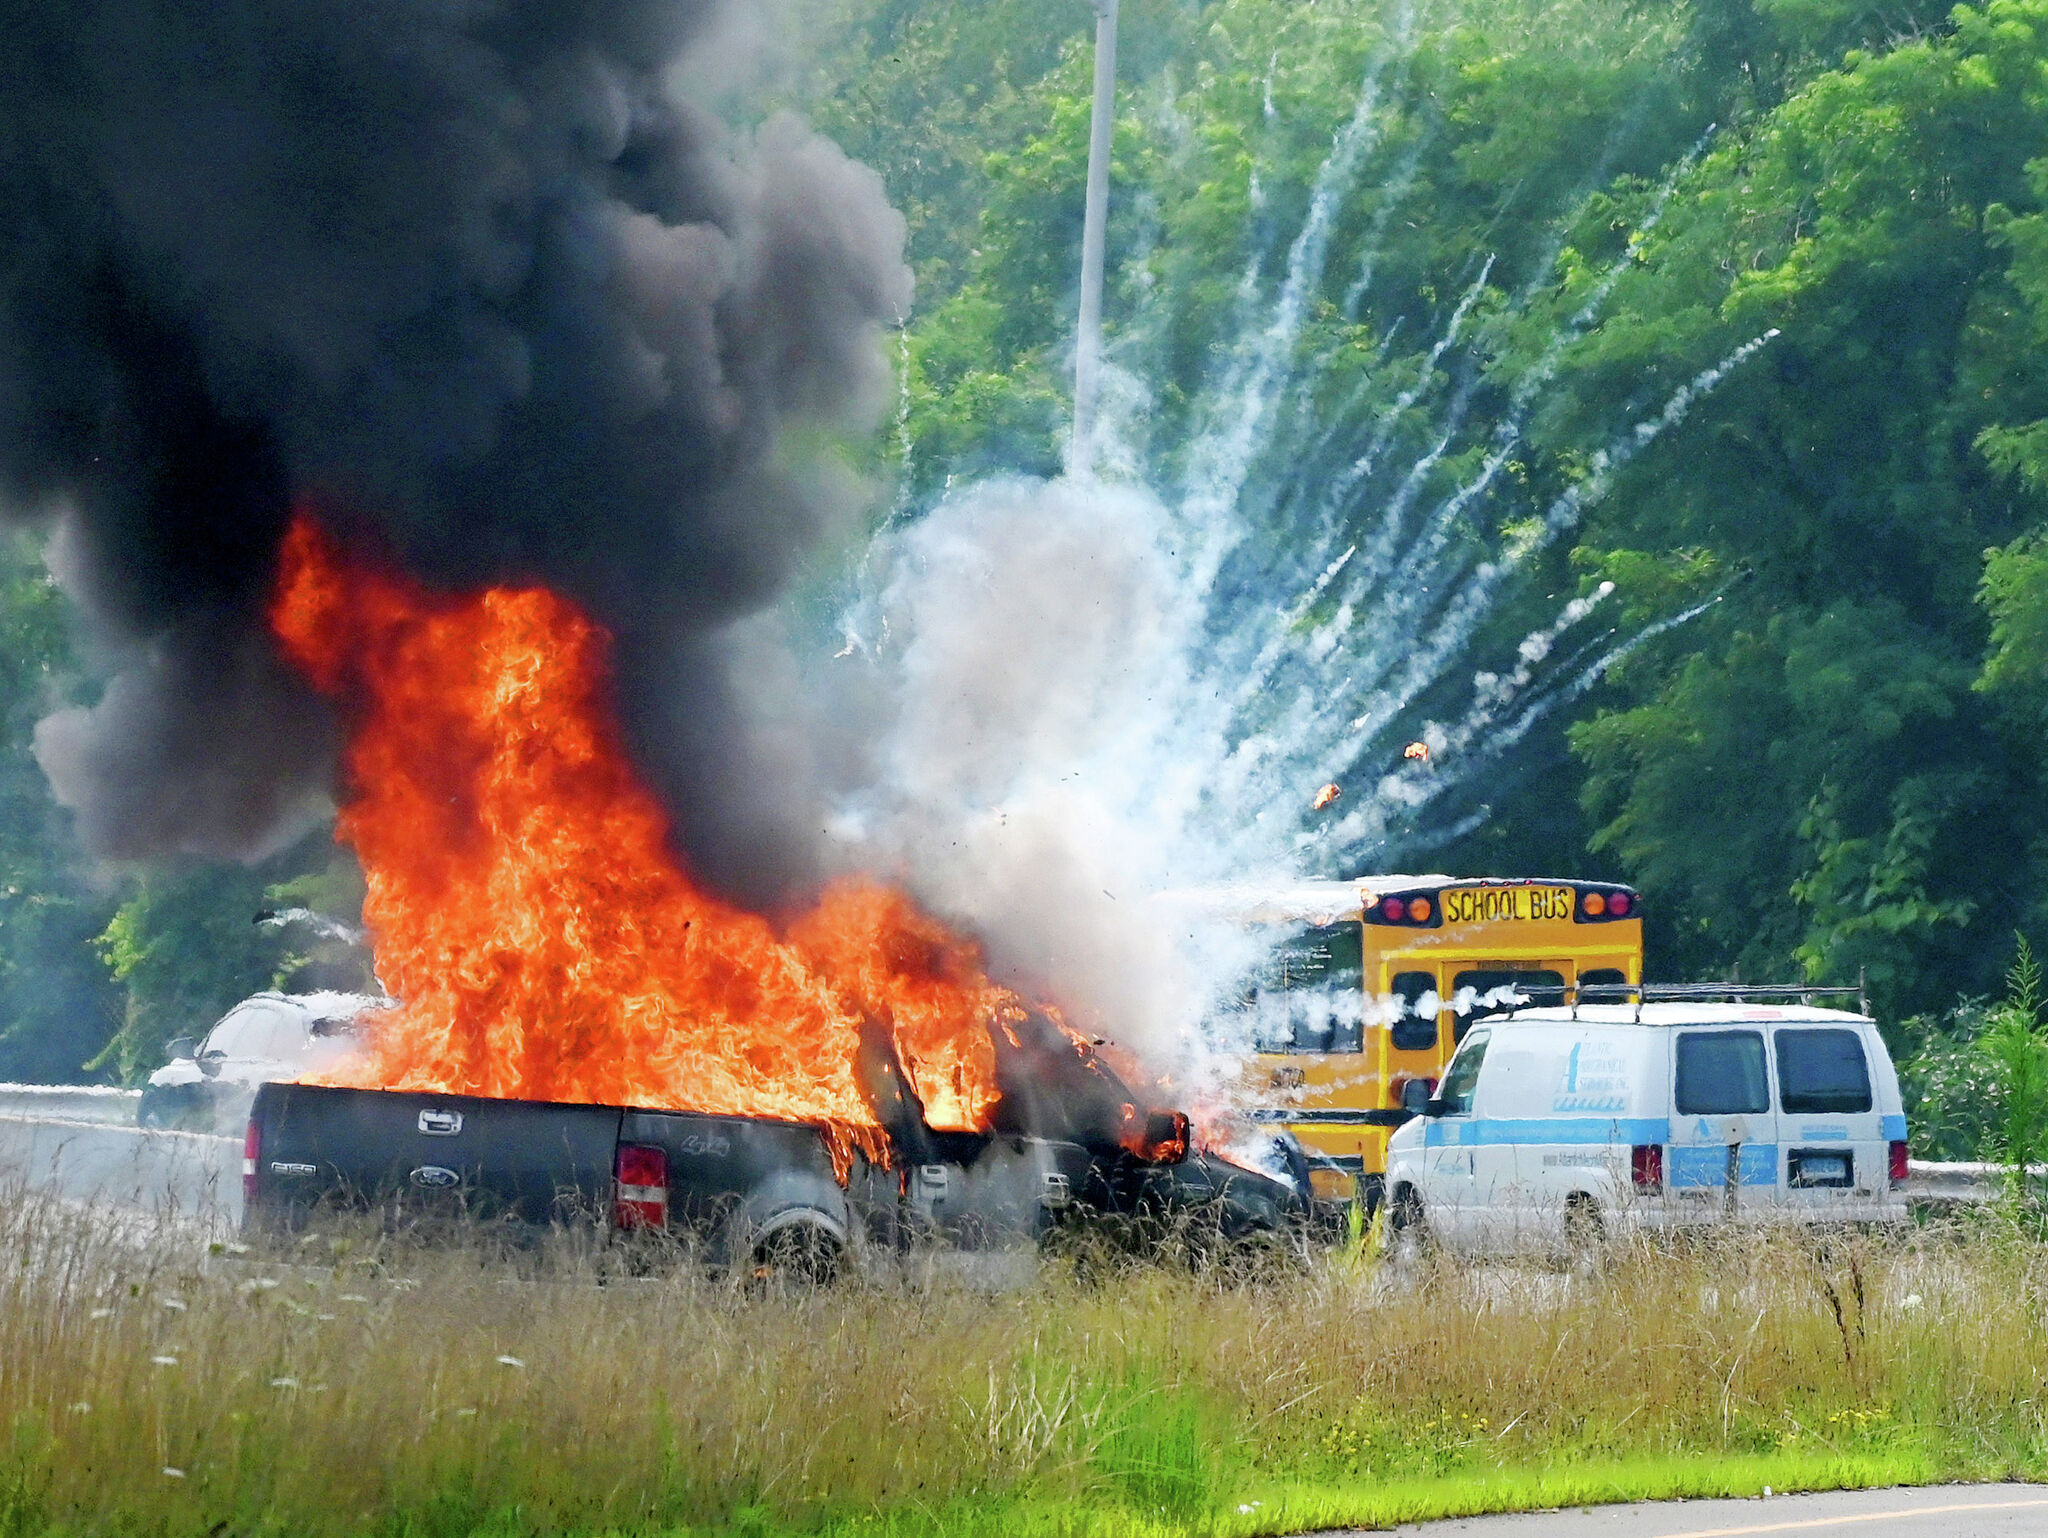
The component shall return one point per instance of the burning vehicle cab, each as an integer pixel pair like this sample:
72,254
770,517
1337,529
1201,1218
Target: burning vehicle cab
208,1084
1071,1151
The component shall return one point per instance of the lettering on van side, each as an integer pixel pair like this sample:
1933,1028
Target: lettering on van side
1594,1078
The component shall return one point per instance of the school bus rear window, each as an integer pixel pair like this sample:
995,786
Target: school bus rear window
1309,997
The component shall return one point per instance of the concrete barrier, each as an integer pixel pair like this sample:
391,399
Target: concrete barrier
69,1102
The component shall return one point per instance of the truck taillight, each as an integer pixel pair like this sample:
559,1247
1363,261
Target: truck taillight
641,1200
1898,1164
1646,1167
252,1154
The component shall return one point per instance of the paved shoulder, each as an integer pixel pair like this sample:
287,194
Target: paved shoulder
1931,1511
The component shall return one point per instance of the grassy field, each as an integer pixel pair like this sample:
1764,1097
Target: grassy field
152,1387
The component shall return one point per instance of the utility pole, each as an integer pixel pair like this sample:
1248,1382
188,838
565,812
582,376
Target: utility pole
1088,338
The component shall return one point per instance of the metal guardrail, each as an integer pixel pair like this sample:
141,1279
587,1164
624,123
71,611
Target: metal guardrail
70,1102
1931,1183
1937,1184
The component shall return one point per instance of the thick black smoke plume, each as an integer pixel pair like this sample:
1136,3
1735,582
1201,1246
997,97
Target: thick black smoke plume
473,279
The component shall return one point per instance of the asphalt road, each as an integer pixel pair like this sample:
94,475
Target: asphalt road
181,1176
1934,1511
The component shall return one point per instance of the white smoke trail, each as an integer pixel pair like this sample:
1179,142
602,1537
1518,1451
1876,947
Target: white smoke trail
1097,692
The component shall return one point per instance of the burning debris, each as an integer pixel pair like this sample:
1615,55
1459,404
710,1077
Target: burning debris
1416,753
1324,797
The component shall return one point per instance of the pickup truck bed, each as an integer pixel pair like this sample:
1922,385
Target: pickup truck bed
748,1191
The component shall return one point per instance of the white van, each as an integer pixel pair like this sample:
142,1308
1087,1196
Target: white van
208,1085
1559,1124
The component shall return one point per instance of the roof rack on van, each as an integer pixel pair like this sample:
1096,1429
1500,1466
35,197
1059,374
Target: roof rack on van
1737,992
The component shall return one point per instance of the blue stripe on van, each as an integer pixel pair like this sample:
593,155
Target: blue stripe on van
1894,1129
1457,1132
1708,1166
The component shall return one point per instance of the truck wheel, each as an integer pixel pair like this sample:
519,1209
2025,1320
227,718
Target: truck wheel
798,1254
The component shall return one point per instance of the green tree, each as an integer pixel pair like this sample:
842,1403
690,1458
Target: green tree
1809,769
57,1005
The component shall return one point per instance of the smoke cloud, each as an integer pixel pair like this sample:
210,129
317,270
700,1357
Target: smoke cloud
477,281
1037,753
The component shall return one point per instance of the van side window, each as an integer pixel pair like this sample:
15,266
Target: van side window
1822,1072
1463,1077
1415,1031
1721,1073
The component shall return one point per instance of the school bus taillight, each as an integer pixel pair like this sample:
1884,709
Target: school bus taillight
1402,909
1646,1167
1600,907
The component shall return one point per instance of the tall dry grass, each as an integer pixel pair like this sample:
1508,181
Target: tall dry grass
149,1384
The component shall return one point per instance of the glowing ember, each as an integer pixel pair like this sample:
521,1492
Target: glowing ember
525,906
1419,751
1325,796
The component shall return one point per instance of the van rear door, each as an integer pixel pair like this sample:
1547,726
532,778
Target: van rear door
1722,1120
1829,1118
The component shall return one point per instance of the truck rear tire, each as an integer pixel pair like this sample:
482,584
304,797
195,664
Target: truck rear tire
798,1254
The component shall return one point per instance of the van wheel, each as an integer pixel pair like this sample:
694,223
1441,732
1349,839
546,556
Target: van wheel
1585,1232
1407,1229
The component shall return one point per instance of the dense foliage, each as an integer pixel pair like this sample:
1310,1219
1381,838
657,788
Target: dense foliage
1832,768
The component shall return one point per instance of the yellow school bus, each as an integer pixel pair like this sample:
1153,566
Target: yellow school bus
1370,985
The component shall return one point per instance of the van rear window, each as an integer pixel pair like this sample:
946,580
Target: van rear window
1822,1072
1721,1073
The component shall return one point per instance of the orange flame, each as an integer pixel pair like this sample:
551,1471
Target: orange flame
525,906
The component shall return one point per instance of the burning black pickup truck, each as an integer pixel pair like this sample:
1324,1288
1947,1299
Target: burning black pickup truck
751,1192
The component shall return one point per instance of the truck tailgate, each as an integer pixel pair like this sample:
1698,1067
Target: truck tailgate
432,1154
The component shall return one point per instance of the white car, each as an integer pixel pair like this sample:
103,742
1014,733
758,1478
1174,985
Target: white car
1558,1125
208,1085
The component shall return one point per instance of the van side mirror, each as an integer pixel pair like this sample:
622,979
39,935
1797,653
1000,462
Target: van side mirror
1415,1096
181,1047
210,1061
